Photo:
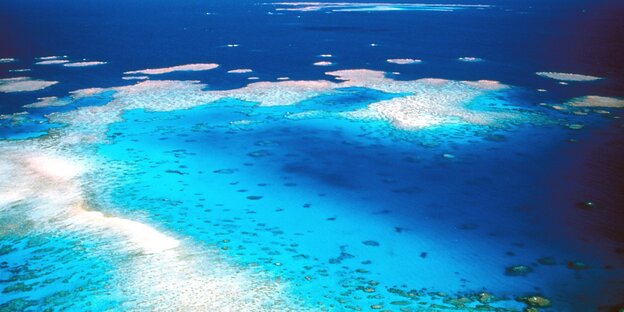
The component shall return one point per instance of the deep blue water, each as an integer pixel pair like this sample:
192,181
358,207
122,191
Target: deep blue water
331,206
516,38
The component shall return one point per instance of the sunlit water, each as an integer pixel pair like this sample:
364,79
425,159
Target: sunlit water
367,192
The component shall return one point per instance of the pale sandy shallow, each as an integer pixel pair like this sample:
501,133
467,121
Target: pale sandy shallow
427,102
50,175
165,277
567,76
240,71
52,62
323,63
470,59
49,180
135,77
155,270
404,61
188,67
597,101
51,57
21,70
435,102
369,7
485,84
431,101
283,92
86,92
23,84
84,64
14,117
47,102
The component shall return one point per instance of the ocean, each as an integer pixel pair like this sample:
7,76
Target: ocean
322,156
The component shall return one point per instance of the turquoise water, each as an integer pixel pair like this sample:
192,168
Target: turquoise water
35,124
336,217
359,186
347,214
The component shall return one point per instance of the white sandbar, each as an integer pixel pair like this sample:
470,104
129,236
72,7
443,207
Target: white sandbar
240,71
596,101
135,77
84,64
188,67
154,270
52,62
470,59
323,63
567,76
47,102
404,61
51,57
371,7
23,84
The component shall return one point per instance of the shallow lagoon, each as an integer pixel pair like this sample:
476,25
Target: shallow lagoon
216,198
345,213
352,205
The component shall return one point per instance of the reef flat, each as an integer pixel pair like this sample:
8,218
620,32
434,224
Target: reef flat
310,156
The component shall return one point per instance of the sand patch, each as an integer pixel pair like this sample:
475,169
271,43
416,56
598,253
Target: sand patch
165,70
84,64
568,76
240,71
596,101
47,102
470,59
23,84
323,63
52,62
154,270
404,61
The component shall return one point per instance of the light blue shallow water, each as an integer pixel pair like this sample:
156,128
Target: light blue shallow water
170,197
339,208
35,124
347,214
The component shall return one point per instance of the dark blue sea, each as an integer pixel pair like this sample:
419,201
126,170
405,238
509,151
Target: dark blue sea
322,156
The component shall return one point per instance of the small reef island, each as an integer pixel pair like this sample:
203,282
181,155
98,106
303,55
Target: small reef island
311,156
